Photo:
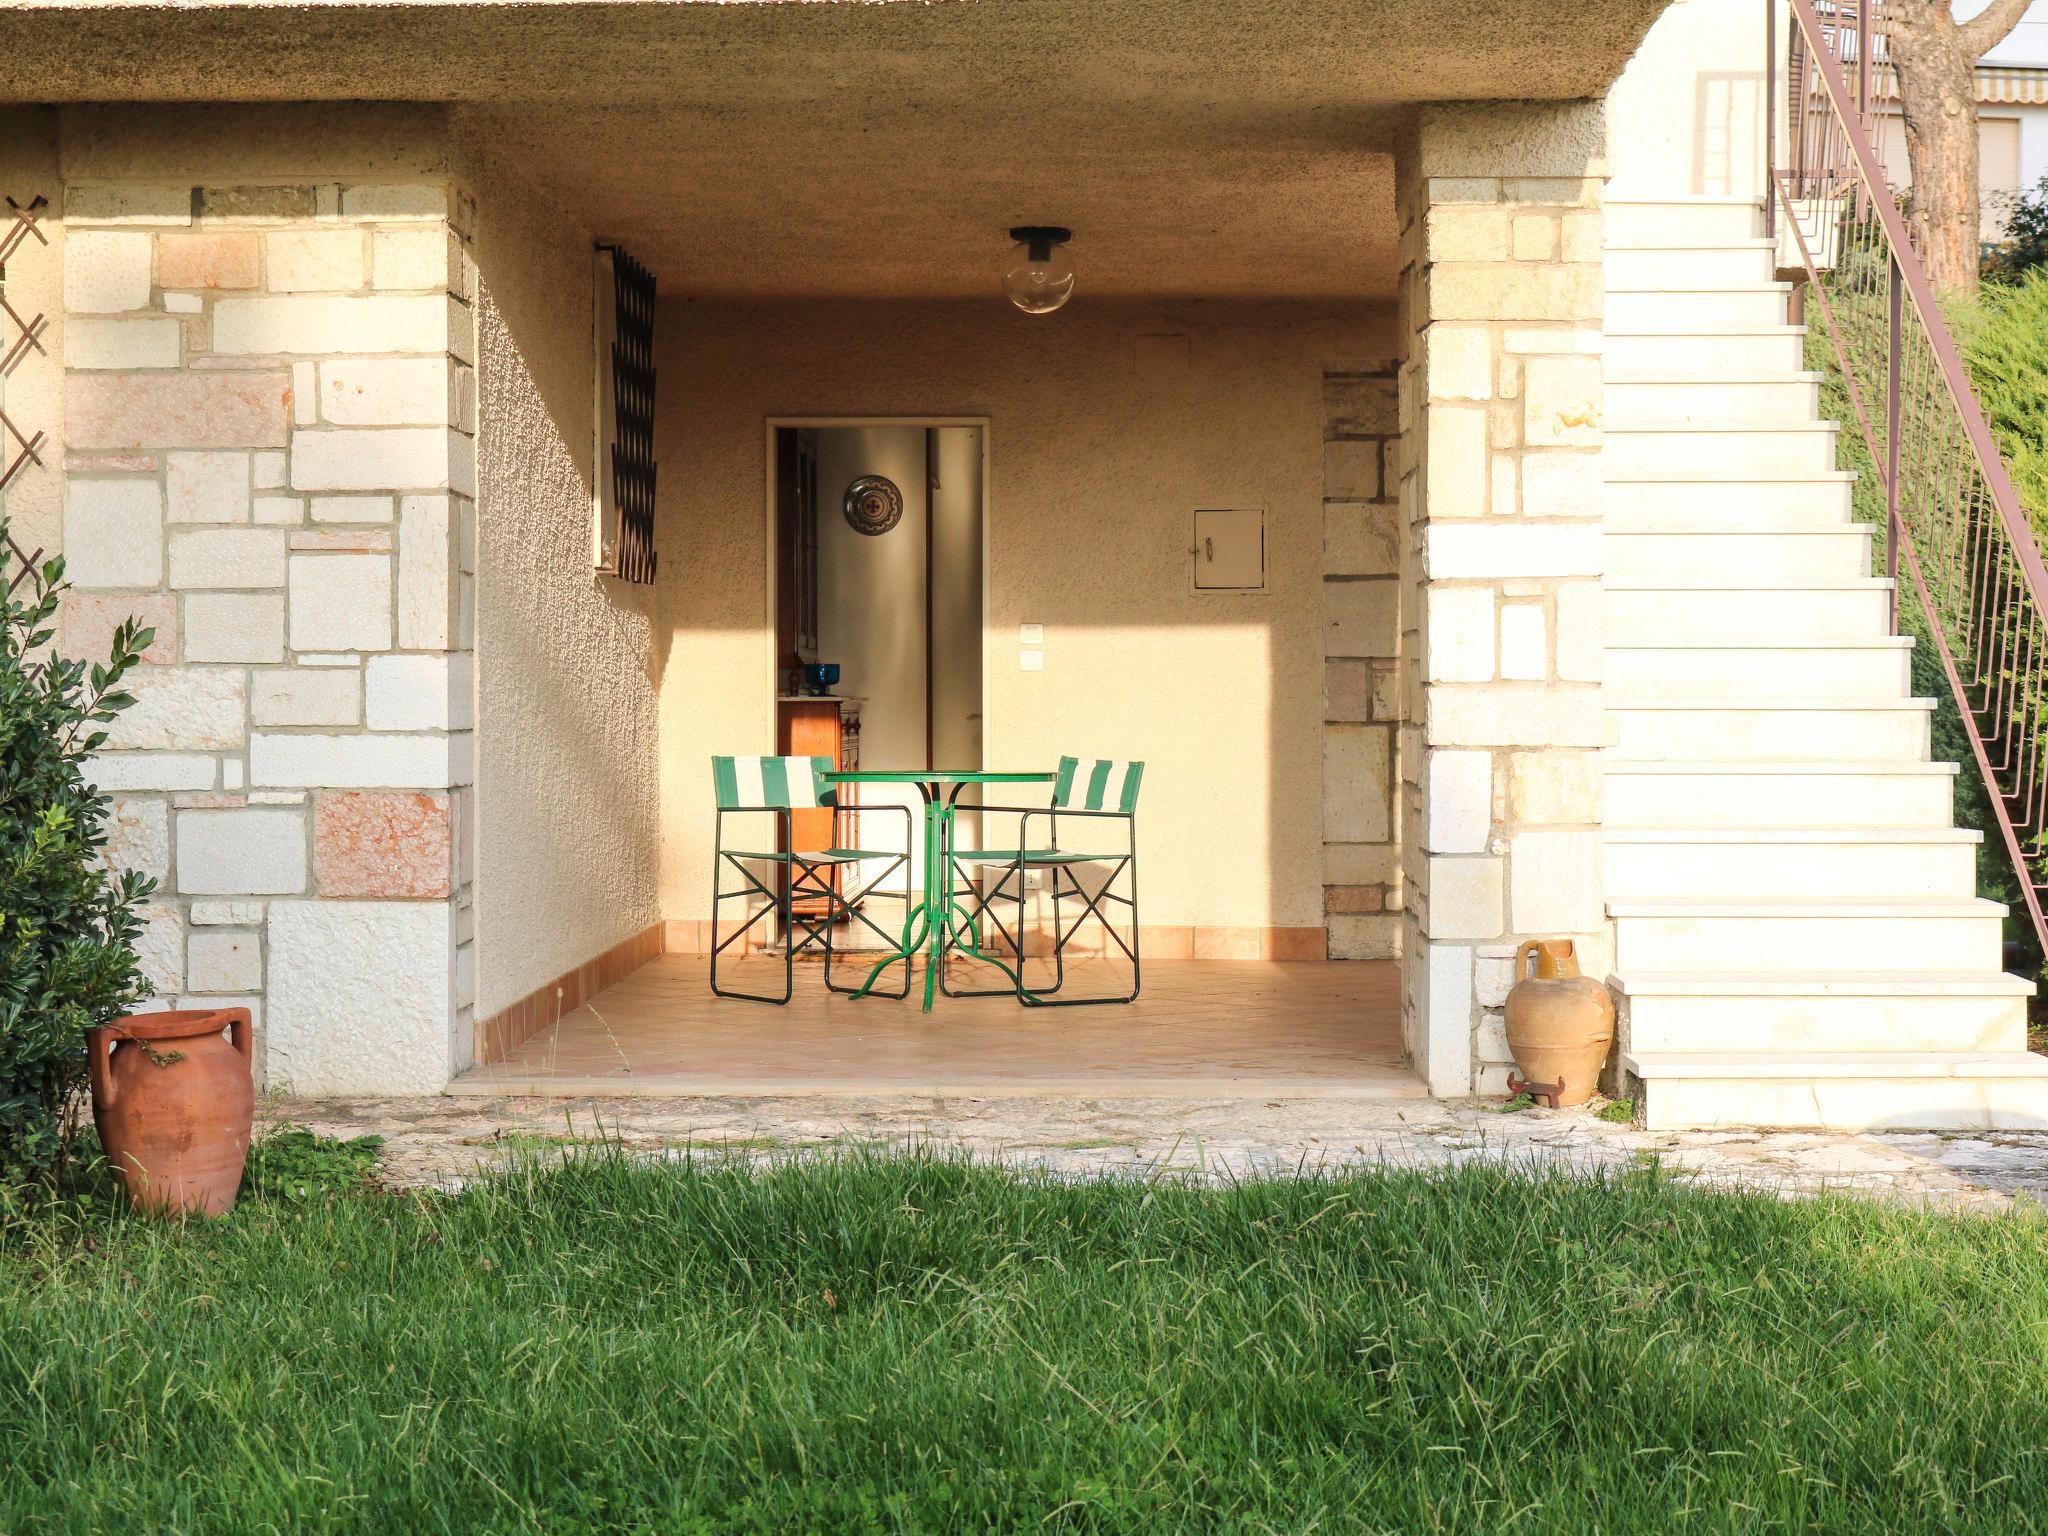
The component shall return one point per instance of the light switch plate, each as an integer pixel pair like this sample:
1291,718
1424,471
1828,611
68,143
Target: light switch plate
1031,661
1031,634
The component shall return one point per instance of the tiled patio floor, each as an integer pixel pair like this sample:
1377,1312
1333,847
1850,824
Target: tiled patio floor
1201,1027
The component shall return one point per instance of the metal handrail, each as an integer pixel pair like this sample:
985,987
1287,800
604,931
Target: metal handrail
1951,514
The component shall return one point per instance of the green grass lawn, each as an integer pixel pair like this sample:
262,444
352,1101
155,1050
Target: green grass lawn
861,1343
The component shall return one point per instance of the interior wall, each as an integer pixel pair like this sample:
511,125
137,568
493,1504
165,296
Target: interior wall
956,598
1096,464
568,736
871,612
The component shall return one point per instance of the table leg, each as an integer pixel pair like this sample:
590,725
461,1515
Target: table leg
938,891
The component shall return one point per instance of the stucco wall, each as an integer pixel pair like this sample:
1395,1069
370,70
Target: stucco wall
1686,118
1094,473
566,769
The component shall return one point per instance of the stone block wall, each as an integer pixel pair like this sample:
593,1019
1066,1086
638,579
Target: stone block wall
270,458
1362,892
1501,486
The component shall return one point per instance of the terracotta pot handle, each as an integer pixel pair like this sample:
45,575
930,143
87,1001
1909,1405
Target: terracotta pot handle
239,1034
1530,948
99,1044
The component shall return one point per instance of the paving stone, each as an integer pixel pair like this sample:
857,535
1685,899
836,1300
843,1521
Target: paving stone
247,852
313,260
90,343
209,259
226,409
341,602
87,621
387,845
234,627
105,271
232,558
223,962
207,487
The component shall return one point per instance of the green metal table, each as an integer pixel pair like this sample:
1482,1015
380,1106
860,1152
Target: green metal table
929,922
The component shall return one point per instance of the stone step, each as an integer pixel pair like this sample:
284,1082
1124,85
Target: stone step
1739,666
1698,311
1770,730
1630,224
1730,396
1761,448
1747,1011
1705,552
1732,864
1803,795
1847,608
1838,935
1843,1091
1642,499
1689,266
1768,349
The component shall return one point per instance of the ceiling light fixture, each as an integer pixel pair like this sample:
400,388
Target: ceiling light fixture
1038,274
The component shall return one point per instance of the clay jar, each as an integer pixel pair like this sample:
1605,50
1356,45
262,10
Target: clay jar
1559,1022
173,1098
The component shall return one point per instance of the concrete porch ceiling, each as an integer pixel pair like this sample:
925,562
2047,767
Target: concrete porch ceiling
1202,148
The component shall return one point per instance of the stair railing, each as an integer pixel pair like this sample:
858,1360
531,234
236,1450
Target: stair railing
1951,516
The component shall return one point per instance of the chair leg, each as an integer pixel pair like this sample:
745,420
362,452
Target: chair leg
895,954
984,906
838,904
1061,938
782,909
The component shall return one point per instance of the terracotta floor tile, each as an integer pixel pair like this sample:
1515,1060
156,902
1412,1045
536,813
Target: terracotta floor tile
1199,1027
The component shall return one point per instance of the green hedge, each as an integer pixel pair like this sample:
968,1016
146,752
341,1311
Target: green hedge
2003,337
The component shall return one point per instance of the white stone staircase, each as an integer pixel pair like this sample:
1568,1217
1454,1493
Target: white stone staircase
1798,941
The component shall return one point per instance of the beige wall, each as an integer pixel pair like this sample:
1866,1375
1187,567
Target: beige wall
1686,118
1093,476
957,574
568,674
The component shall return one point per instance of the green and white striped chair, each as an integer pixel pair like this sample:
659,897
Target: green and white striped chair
1097,800
777,786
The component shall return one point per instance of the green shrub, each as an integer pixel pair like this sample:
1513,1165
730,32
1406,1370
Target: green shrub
67,925
2026,238
2003,338
2001,373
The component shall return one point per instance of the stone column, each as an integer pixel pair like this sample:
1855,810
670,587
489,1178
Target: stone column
271,459
1501,485
1361,692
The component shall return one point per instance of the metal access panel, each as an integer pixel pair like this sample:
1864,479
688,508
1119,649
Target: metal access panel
1230,549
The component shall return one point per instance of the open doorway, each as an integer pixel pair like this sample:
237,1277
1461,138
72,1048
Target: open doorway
878,552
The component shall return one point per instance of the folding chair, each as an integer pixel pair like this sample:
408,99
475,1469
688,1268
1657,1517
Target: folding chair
1099,798
777,786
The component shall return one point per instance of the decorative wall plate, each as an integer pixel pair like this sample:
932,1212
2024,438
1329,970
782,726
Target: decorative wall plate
873,505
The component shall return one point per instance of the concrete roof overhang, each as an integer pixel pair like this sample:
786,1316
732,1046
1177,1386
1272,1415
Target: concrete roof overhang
756,147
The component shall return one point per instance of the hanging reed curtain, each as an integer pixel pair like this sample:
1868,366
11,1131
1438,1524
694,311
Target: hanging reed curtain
625,416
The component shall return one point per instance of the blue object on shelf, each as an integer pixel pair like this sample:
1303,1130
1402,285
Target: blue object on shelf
821,676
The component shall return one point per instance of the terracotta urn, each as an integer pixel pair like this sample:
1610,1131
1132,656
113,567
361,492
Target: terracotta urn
174,1098
1560,1023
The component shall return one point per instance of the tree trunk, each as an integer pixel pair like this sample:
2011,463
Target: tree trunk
1936,61
1938,97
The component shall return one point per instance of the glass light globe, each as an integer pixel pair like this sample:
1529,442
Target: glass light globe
1038,275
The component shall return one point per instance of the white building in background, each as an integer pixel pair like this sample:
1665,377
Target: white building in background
2012,118
2012,114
